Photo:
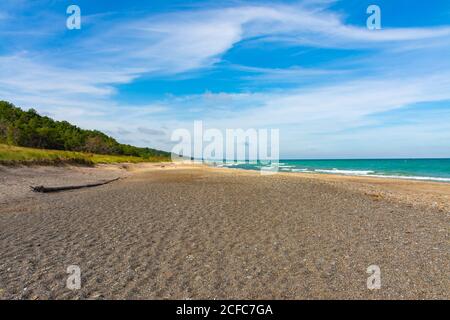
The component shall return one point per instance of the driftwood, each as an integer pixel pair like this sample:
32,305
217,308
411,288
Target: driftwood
57,189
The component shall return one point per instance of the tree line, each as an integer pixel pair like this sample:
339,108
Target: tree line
29,129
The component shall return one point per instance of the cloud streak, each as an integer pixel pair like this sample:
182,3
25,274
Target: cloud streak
80,82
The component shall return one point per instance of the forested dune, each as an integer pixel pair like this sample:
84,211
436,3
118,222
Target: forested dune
29,129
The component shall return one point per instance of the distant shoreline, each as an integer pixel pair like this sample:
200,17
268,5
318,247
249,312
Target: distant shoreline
411,178
434,194
433,169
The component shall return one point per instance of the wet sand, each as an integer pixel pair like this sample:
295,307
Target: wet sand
190,232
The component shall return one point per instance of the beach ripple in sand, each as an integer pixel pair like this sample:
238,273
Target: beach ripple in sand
211,233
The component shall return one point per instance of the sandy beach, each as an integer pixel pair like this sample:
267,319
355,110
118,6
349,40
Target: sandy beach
167,231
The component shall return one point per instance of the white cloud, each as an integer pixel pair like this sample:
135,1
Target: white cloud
341,105
324,116
29,76
292,74
190,40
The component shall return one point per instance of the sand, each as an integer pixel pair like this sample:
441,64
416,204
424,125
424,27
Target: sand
190,232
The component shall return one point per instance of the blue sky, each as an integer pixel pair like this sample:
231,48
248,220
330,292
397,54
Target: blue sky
140,69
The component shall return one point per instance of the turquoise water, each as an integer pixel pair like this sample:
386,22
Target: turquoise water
418,169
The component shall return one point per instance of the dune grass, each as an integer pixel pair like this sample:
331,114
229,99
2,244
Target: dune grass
12,155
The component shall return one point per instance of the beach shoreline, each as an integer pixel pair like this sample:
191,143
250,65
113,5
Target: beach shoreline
15,181
183,231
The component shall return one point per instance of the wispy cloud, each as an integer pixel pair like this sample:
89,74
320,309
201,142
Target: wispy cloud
3,16
80,82
151,132
292,74
179,42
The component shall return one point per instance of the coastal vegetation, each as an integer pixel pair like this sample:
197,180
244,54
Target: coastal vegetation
26,136
11,155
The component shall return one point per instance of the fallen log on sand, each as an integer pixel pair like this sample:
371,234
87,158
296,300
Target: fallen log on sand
57,189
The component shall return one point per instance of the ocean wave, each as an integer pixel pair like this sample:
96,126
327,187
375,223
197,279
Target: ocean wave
409,177
369,173
233,164
346,172
285,167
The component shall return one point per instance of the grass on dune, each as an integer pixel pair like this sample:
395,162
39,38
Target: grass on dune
11,155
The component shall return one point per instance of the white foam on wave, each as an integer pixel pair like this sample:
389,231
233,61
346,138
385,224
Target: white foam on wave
368,173
409,177
233,164
346,172
365,173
